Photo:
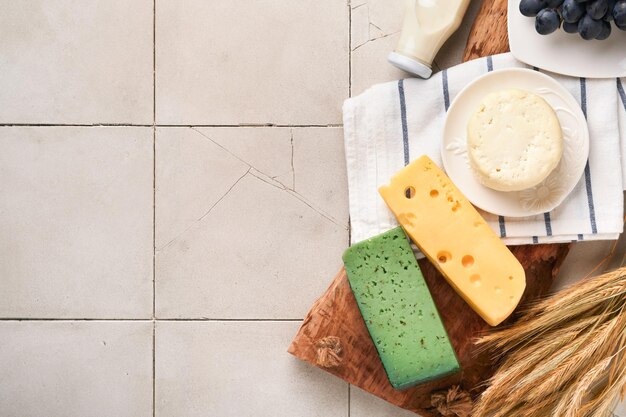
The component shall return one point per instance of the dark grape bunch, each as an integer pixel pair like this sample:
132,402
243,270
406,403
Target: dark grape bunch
591,19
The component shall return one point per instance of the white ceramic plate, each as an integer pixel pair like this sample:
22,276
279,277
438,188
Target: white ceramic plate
566,53
553,190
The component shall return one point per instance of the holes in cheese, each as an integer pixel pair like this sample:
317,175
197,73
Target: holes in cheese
475,279
467,261
456,239
444,256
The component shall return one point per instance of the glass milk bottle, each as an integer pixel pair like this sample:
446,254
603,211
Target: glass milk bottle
427,25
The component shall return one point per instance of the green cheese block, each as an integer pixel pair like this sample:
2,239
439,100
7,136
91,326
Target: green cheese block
398,310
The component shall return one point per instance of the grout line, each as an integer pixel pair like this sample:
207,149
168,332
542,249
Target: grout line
153,158
233,320
349,231
268,125
150,320
349,48
154,62
153,222
154,208
73,125
349,398
153,368
349,95
70,319
272,125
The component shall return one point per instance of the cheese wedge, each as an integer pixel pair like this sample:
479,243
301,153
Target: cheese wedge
399,312
456,239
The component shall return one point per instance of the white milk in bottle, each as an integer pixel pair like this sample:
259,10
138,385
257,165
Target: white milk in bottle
427,25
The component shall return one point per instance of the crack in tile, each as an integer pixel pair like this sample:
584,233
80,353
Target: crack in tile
236,156
176,238
281,174
375,39
369,29
253,171
299,197
269,180
377,27
273,181
379,32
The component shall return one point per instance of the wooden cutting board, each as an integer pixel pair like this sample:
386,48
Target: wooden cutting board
336,313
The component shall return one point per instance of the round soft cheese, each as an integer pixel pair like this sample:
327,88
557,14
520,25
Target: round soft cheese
514,140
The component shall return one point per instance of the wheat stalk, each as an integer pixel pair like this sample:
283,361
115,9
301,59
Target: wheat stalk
565,357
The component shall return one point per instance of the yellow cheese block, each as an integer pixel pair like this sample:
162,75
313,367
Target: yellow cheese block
456,239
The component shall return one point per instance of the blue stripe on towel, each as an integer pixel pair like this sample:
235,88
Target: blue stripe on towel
546,219
583,95
622,94
489,63
535,239
502,226
405,129
446,91
592,210
581,237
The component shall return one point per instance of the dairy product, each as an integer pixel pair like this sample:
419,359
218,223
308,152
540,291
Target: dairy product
399,312
456,239
514,140
427,25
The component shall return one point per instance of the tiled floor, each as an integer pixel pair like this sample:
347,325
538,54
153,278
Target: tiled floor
173,198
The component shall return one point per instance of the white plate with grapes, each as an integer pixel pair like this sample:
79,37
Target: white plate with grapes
578,38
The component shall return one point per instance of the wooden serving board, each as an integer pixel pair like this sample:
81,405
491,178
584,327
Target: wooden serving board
336,313
489,34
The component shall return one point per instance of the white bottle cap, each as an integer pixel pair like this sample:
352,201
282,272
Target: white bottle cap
410,65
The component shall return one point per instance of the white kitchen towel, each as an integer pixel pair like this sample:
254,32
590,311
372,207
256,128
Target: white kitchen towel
393,123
